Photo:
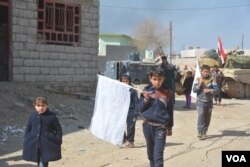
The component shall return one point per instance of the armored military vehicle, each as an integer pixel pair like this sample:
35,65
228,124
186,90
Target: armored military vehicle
136,69
237,73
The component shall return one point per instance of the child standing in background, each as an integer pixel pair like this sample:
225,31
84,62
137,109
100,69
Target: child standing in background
187,88
129,136
155,106
205,87
43,135
219,76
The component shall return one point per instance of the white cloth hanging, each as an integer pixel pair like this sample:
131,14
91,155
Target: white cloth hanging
197,75
111,109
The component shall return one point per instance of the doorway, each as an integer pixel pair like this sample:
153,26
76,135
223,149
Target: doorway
4,41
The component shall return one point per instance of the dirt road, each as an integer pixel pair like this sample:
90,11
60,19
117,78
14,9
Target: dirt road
229,130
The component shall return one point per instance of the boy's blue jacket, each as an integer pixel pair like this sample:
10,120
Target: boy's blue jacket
209,84
156,110
132,112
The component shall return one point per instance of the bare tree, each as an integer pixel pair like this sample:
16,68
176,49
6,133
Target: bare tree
151,34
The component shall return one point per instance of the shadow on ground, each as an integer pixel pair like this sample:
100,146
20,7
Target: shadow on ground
179,105
173,144
233,133
231,104
14,158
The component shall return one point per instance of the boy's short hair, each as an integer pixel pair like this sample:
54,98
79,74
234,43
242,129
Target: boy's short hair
189,72
164,58
205,67
215,66
126,76
157,72
40,99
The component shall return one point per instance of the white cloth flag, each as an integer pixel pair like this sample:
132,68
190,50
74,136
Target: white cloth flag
111,109
197,74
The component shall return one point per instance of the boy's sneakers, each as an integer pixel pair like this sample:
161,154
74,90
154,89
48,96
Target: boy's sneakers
201,136
129,145
124,141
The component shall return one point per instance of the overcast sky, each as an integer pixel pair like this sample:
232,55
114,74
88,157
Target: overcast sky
195,23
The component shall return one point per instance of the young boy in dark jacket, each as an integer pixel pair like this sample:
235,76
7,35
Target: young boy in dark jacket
154,107
129,136
43,135
187,88
205,87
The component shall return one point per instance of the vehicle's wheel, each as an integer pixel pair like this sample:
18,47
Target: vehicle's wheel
234,89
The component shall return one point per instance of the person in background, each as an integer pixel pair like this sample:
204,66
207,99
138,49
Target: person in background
187,88
158,117
219,76
205,87
128,140
43,135
170,75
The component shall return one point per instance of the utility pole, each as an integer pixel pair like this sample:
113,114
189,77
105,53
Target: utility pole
170,42
242,41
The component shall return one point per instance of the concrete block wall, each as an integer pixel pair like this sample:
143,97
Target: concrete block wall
57,67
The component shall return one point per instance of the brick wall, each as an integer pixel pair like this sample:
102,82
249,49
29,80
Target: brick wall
57,67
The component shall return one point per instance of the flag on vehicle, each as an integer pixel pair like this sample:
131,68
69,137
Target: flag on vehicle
221,51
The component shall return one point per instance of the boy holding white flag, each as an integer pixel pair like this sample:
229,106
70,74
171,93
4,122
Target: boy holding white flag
205,87
154,105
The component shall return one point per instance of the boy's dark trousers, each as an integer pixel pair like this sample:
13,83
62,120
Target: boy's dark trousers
155,138
204,110
130,136
188,100
217,96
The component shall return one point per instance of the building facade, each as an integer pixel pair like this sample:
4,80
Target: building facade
113,47
50,42
113,40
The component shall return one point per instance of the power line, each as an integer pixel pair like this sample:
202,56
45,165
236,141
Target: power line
176,9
